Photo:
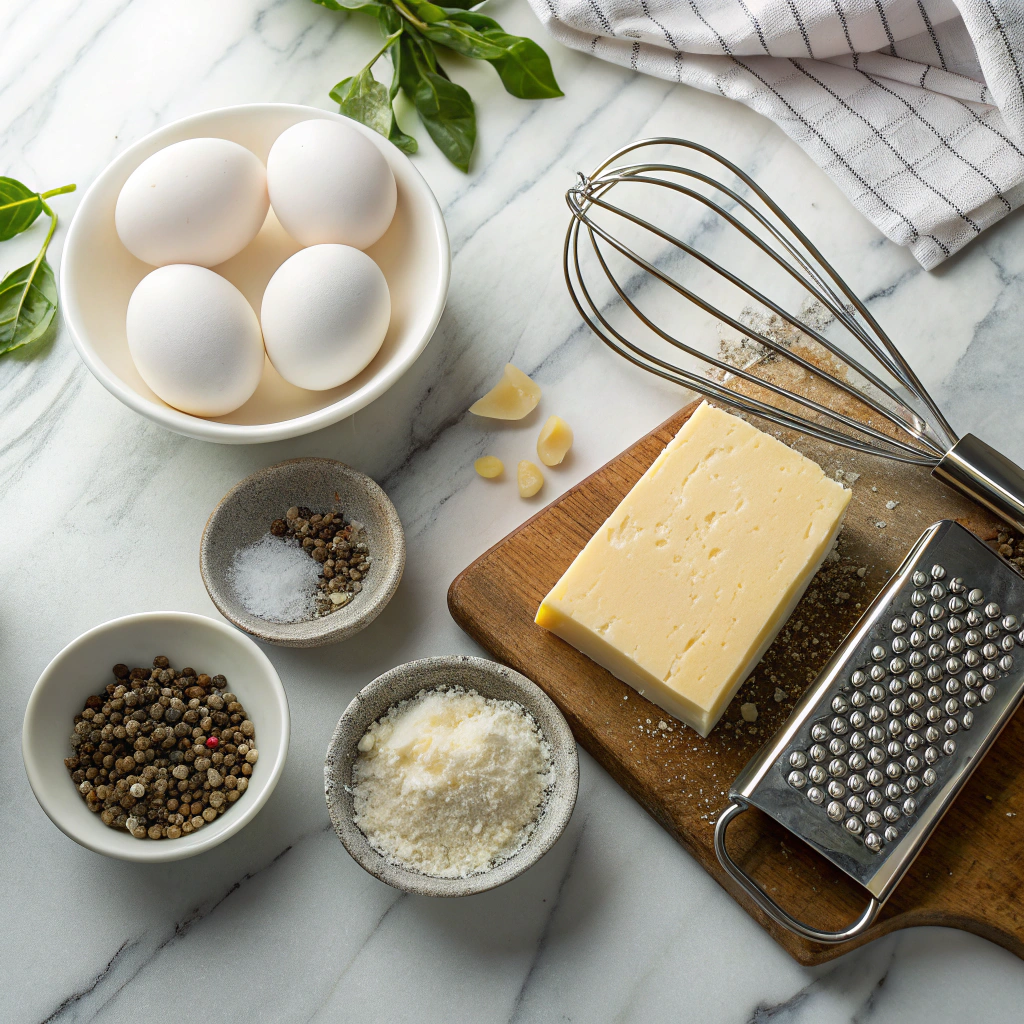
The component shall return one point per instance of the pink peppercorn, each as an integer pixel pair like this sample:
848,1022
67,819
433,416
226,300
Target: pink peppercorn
212,742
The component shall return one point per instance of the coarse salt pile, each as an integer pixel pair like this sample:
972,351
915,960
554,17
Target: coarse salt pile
450,783
274,579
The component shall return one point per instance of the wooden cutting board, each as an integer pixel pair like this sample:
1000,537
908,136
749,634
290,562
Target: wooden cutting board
971,873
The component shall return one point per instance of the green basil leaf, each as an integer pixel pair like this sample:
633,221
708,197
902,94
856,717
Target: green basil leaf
406,143
365,100
19,207
368,101
478,21
390,20
426,12
445,108
28,300
460,5
463,39
524,68
417,56
447,113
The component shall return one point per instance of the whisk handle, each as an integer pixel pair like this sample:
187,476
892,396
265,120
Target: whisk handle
985,475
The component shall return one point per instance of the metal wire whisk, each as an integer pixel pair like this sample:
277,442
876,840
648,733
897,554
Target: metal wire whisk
892,428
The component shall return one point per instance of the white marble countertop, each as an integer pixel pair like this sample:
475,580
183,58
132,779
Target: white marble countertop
103,511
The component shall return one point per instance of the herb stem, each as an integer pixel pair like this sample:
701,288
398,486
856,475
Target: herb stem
49,235
56,192
408,15
38,260
387,45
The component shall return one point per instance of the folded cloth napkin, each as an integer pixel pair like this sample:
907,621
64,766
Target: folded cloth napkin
914,107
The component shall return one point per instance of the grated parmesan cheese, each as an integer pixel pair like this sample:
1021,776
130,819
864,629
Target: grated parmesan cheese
449,783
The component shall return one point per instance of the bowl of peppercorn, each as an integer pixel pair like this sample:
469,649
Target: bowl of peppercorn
155,737
303,554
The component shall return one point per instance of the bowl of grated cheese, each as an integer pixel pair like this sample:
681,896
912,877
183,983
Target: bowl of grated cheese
450,776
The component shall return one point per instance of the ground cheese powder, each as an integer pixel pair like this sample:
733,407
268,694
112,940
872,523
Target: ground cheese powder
449,782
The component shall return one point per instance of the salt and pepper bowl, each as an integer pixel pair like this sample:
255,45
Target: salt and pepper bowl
244,515
84,667
489,679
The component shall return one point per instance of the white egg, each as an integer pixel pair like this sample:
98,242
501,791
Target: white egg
329,183
195,340
200,201
325,314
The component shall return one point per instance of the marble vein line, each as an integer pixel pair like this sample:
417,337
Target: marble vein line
355,956
34,434
865,1012
779,1012
76,997
47,98
542,942
460,242
180,931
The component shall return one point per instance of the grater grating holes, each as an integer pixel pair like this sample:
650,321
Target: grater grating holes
893,726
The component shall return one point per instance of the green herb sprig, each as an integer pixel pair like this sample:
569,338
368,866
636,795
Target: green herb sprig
28,295
413,31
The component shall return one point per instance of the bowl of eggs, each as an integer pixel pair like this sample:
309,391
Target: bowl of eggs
255,273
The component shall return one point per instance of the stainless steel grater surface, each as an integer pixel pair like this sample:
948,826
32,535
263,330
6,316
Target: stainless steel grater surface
878,747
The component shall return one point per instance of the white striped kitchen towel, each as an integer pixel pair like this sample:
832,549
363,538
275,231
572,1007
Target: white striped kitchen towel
914,107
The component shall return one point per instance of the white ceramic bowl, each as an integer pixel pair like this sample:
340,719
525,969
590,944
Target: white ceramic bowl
98,275
84,667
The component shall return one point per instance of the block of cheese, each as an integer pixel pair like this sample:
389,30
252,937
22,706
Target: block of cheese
686,584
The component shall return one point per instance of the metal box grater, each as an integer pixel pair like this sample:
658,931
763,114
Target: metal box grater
878,747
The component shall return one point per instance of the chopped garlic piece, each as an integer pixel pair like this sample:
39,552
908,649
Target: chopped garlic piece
554,441
489,466
530,479
511,398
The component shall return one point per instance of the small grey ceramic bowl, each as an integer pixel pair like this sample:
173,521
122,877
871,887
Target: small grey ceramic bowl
245,514
490,680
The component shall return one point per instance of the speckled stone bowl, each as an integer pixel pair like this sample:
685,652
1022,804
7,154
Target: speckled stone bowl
245,514
489,679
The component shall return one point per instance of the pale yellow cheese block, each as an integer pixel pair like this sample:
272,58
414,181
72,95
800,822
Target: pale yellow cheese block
686,584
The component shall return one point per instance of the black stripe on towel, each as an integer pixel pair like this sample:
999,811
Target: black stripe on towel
931,32
942,138
868,187
756,24
910,167
1006,43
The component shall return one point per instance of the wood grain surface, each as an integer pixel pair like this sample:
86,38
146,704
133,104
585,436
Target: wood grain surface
971,873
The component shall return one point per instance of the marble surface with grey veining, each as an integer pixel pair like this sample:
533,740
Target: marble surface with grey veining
102,511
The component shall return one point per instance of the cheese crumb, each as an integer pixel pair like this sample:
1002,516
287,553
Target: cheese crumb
450,782
749,712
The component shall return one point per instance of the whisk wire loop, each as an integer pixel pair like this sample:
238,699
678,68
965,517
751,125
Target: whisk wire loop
911,424
592,315
920,439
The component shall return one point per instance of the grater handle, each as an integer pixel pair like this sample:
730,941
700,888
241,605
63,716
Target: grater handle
768,905
986,476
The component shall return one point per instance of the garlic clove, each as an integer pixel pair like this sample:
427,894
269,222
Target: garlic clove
554,441
511,398
529,478
489,466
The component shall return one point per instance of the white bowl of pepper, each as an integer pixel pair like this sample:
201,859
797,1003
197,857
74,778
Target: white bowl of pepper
155,737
